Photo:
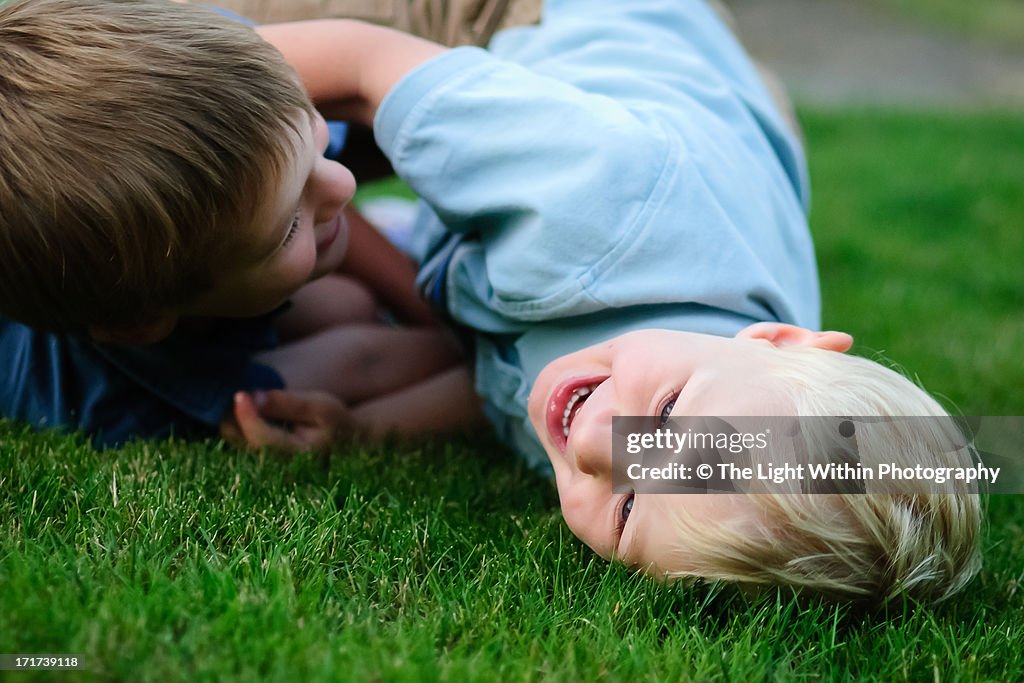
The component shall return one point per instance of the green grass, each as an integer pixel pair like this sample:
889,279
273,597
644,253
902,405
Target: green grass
919,225
1001,21
445,560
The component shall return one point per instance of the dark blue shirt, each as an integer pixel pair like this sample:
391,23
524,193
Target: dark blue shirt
182,385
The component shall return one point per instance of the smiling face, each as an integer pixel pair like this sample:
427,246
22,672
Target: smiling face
652,372
863,547
299,234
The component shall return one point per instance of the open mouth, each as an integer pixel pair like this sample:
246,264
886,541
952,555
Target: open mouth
565,404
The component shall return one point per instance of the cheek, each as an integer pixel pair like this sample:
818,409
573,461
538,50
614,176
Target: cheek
571,500
582,510
536,406
296,268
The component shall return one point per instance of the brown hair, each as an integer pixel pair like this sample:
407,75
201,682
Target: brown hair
138,136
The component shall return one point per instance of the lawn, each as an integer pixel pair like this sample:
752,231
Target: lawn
446,560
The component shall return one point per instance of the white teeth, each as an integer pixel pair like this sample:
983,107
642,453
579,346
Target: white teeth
577,394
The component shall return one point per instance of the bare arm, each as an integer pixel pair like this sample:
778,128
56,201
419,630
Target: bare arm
361,362
319,420
347,66
443,402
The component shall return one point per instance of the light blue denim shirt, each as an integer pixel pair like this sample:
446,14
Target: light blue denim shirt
618,167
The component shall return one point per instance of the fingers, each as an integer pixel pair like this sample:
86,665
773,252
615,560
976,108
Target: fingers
316,417
295,406
283,405
256,431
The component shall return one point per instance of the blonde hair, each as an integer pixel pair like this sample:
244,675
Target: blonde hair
872,546
140,136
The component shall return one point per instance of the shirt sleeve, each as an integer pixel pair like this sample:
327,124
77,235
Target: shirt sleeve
584,200
531,165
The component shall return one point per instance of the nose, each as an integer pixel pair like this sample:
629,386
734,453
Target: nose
592,442
333,188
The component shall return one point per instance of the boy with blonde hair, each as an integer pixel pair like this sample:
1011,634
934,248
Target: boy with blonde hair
598,190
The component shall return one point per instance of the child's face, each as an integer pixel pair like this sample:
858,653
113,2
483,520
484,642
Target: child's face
300,234
653,372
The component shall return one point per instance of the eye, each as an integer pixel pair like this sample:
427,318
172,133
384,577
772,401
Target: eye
293,230
666,410
625,508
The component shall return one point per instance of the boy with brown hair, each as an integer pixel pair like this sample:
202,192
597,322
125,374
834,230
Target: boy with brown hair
164,196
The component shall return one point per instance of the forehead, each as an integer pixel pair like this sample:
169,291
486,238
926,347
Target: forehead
670,348
736,392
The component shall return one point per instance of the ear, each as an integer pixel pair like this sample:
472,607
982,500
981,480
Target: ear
779,334
136,334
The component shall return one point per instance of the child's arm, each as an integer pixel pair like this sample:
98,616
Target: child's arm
361,362
350,64
443,402
389,274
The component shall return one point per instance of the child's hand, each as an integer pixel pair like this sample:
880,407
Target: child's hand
317,419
